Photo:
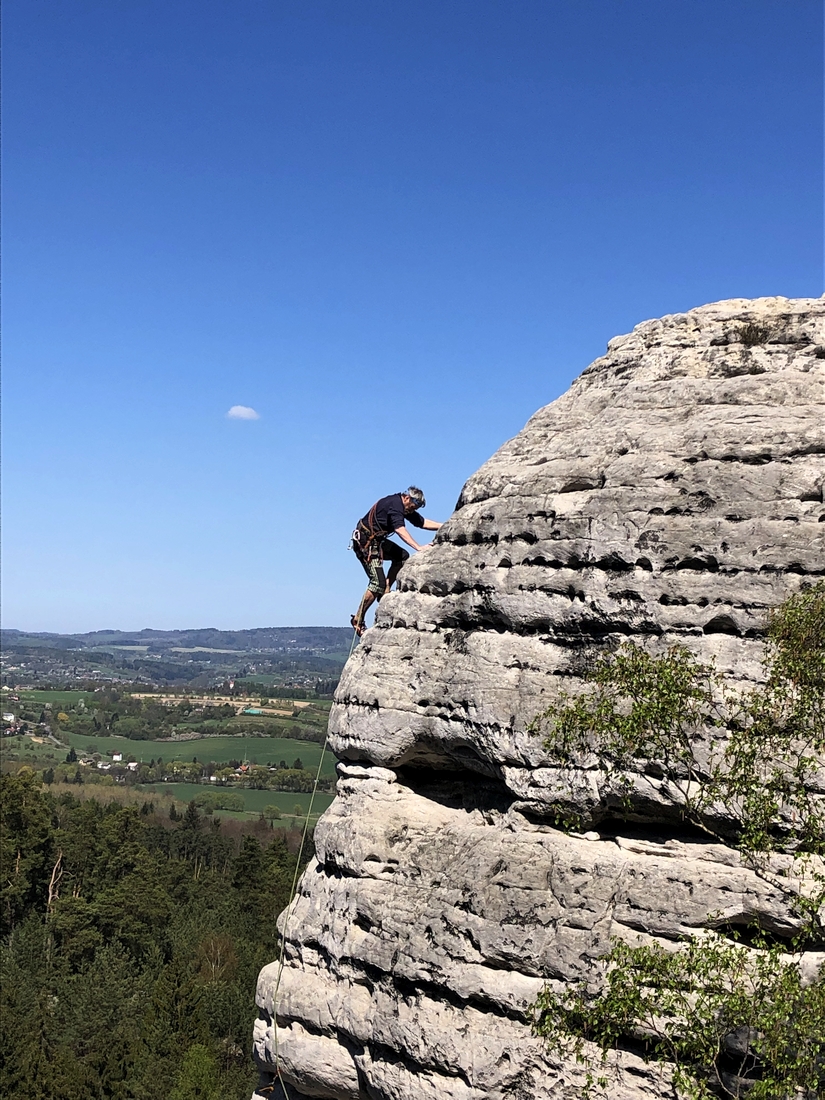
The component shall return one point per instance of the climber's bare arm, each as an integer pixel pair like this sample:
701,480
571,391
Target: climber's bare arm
405,536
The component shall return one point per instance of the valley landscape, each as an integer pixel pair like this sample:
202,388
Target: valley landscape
260,729
168,819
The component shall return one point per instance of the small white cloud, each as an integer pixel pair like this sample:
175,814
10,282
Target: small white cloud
242,412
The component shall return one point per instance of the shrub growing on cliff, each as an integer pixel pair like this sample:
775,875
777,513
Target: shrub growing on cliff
743,766
732,1021
746,767
752,334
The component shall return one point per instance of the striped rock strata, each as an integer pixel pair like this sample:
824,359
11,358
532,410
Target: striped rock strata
673,494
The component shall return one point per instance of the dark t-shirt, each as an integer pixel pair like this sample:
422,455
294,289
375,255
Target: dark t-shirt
387,515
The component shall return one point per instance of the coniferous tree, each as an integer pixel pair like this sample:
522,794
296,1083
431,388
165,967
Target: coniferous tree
128,943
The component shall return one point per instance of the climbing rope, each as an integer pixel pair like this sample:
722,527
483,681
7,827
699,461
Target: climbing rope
288,910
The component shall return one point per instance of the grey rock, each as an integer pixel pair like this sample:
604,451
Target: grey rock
673,494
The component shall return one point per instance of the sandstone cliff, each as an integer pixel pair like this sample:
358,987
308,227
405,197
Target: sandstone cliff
673,494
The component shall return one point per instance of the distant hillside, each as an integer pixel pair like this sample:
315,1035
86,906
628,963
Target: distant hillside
319,640
299,657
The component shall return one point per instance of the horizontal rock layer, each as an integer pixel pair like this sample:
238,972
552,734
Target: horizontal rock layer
674,494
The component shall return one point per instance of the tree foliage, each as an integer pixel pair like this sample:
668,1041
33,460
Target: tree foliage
130,948
731,1021
745,767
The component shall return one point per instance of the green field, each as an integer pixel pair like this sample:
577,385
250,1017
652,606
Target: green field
255,750
55,697
23,748
254,801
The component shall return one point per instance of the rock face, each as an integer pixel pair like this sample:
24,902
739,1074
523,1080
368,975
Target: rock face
673,494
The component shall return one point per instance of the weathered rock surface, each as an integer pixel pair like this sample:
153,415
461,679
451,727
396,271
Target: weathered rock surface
673,494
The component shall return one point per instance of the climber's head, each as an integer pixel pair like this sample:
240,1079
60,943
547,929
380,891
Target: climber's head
413,499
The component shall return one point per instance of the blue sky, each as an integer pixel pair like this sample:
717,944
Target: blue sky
394,229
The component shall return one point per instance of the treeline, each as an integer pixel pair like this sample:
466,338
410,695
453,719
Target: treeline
116,712
296,779
130,948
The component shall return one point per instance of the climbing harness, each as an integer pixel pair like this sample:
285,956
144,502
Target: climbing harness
366,535
288,911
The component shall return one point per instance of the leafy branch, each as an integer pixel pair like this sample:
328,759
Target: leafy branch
747,768
729,1019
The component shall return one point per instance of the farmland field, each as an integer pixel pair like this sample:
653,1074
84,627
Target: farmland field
23,748
254,750
56,698
255,802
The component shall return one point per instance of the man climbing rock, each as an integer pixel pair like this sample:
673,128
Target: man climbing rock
372,544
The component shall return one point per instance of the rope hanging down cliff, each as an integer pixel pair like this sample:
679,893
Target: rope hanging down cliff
288,911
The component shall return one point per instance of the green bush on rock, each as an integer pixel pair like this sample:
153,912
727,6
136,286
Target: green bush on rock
730,1019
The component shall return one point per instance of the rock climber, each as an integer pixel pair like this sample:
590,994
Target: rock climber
372,544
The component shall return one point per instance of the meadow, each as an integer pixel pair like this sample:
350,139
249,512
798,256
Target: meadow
255,802
56,698
292,806
220,750
42,753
